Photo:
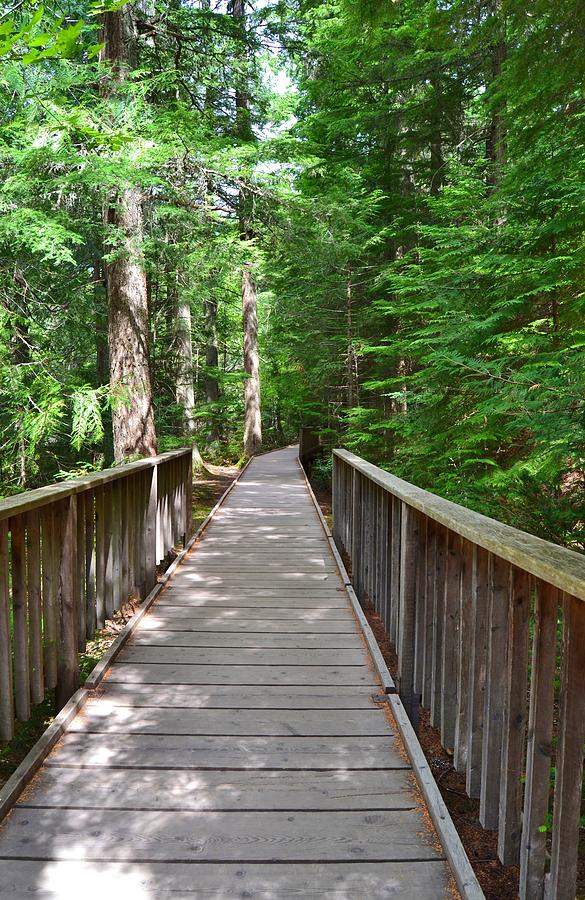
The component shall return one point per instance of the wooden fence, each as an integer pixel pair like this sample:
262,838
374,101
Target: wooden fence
487,622
70,556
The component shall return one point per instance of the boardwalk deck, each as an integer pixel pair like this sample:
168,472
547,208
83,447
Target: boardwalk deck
237,747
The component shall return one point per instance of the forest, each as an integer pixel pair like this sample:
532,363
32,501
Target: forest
222,221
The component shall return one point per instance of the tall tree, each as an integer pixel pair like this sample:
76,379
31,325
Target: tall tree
128,325
252,411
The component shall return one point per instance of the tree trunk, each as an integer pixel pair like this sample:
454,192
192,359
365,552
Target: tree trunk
211,361
252,416
133,409
496,136
351,358
184,348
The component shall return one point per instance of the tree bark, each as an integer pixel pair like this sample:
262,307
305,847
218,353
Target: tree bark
252,418
185,390
133,409
252,414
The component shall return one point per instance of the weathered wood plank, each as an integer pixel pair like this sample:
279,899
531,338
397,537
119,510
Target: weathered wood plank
540,735
514,720
569,759
261,641
20,621
35,614
161,673
105,718
6,685
219,615
248,697
230,790
222,836
170,621
218,752
336,600
496,668
243,657
313,881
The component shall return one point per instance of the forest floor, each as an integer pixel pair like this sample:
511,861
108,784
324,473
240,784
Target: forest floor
208,486
498,882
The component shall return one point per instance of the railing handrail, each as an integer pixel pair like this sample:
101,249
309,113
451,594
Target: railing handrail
39,497
556,565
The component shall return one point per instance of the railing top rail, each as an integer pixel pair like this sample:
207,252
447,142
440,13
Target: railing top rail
29,500
563,568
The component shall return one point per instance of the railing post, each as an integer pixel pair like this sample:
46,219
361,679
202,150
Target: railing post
6,701
540,739
409,548
336,511
569,760
188,501
68,664
20,621
150,532
356,540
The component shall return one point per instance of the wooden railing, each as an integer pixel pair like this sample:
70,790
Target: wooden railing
70,556
485,620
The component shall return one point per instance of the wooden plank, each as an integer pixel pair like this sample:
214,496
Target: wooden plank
20,639
477,669
533,850
49,595
100,568
161,673
108,559
275,601
90,561
464,673
410,539
6,684
496,669
80,574
35,613
172,622
68,661
330,881
451,640
262,641
431,574
438,625
104,717
117,587
215,752
156,789
263,656
234,614
569,758
514,720
223,696
221,836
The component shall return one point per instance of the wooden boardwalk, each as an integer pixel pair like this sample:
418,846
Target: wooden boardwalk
237,747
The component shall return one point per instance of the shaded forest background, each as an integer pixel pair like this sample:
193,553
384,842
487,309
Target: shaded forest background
401,181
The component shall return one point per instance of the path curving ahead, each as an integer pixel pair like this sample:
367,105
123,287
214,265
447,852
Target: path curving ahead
237,747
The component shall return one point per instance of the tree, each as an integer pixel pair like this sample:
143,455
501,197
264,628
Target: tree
252,413
128,322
